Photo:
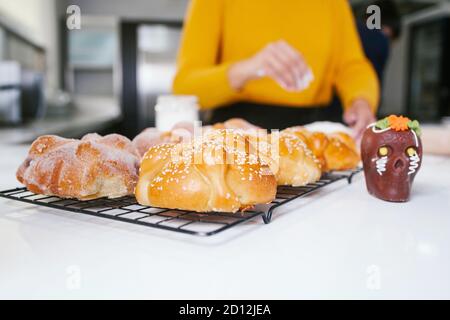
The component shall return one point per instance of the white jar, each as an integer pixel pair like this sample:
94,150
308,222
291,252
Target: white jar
172,109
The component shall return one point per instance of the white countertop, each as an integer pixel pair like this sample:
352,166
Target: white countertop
339,243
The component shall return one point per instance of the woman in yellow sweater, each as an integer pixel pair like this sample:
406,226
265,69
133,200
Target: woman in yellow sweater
275,63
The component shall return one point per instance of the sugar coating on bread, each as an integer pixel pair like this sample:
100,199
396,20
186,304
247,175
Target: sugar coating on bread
151,137
148,138
213,173
90,168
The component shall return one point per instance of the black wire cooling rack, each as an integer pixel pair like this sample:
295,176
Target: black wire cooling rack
126,209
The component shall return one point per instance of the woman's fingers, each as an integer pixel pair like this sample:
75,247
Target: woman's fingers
287,64
279,61
358,117
280,71
290,64
304,73
293,58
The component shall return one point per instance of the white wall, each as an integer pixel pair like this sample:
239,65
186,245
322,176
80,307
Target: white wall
27,14
36,20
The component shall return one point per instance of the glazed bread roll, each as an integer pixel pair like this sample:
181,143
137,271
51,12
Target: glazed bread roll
289,158
205,175
335,151
341,153
90,168
297,164
182,132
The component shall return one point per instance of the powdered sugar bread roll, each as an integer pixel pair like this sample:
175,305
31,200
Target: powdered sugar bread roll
90,168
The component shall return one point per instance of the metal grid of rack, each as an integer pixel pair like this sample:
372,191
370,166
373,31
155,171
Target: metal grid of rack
127,210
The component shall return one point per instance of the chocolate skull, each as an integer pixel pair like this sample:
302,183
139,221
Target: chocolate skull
391,160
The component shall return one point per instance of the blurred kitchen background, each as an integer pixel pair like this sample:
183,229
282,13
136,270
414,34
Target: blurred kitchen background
106,76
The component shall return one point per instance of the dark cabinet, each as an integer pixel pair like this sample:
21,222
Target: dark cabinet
429,70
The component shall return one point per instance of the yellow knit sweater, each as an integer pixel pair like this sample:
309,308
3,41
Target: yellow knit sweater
218,33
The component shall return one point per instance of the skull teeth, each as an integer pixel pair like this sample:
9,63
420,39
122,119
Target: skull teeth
413,164
381,165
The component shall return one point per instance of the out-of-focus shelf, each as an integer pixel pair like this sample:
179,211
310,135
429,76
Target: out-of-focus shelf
91,114
91,67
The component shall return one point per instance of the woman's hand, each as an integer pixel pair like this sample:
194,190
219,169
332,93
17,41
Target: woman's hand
358,117
279,61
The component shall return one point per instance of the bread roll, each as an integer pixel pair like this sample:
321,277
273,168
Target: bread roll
90,168
148,138
341,153
182,132
336,151
205,175
289,158
152,137
297,164
236,124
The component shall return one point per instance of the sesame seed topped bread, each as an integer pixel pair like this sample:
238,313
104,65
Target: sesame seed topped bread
334,151
215,173
289,158
297,164
90,168
236,124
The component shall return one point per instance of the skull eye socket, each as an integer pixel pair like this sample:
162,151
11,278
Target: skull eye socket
411,151
383,151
